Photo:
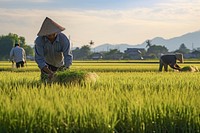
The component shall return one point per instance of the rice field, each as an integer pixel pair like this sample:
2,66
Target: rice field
128,97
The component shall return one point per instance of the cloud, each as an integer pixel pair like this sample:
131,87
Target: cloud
27,1
107,26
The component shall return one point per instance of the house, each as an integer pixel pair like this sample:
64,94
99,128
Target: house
134,53
194,54
97,56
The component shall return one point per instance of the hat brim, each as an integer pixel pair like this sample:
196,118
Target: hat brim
50,27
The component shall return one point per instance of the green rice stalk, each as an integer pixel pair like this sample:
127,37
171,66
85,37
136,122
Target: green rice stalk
74,77
190,69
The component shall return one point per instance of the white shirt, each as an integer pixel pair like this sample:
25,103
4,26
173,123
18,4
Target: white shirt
18,54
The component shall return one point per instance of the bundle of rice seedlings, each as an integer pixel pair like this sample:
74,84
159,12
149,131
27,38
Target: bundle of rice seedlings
91,77
190,69
74,77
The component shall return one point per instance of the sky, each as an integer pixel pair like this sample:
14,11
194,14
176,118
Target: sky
103,21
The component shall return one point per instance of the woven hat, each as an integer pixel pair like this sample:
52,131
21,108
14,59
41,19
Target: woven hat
49,27
179,57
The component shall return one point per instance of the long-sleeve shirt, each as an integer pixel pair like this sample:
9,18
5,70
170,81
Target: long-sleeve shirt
169,59
56,54
18,54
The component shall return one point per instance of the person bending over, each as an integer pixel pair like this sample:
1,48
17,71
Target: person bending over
170,60
52,49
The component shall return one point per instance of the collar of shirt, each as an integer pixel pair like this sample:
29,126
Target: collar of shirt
56,40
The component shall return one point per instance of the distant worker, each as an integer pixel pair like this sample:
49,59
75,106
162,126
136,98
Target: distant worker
18,55
170,60
52,49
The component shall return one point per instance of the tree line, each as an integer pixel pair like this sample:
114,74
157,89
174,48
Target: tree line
84,52
7,42
152,52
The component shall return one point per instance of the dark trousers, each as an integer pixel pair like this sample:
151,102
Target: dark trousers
163,64
19,64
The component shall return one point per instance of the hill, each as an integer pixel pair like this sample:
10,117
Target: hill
191,41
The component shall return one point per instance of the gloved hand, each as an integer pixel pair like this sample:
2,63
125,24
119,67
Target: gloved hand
50,76
11,61
63,68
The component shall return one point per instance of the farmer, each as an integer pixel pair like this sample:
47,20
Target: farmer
52,49
18,55
170,60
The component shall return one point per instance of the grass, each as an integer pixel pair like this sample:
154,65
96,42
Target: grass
190,69
120,101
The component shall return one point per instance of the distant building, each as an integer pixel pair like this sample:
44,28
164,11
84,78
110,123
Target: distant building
97,56
194,54
134,53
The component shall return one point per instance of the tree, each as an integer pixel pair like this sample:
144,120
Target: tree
156,50
29,50
6,45
81,53
113,54
91,43
148,43
183,49
8,41
22,41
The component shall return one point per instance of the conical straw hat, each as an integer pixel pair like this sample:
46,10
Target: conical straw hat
49,27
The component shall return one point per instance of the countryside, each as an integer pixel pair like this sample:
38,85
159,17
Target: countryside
128,97
99,66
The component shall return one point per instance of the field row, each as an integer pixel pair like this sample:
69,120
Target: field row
125,99
97,66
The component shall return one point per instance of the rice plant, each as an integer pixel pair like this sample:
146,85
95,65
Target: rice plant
118,102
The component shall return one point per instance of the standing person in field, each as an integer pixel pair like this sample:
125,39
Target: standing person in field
52,49
170,60
18,55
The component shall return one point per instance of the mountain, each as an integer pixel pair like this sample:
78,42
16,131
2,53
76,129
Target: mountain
191,41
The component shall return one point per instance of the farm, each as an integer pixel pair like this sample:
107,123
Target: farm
128,97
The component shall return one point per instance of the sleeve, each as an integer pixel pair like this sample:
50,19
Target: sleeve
39,54
173,63
11,53
174,60
169,59
66,52
175,66
24,52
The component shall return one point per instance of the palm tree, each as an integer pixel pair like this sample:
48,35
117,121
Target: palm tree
148,43
91,43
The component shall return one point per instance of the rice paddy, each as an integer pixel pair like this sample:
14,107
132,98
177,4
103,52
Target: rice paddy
128,97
